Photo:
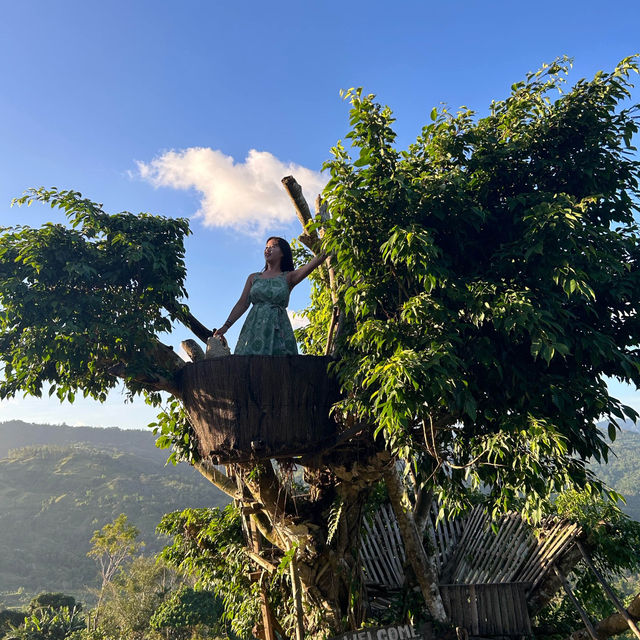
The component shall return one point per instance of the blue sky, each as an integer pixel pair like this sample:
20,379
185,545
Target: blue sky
197,109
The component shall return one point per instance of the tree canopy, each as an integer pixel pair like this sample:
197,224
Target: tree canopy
77,300
489,276
113,544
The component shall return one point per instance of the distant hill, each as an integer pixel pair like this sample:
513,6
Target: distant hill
15,434
627,425
54,496
622,472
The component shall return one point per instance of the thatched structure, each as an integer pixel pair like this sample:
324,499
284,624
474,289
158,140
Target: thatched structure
247,408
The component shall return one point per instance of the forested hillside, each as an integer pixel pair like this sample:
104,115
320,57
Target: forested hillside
52,499
15,434
622,472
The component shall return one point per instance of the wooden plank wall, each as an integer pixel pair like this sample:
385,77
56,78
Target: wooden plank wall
444,534
252,407
382,551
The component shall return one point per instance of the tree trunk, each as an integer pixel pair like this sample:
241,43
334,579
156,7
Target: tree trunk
329,570
421,564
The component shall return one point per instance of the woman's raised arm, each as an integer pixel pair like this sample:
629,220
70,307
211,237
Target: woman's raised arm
297,276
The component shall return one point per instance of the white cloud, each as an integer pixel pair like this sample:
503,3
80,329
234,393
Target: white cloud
246,196
297,318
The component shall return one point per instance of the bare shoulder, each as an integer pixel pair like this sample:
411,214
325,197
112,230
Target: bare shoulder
249,282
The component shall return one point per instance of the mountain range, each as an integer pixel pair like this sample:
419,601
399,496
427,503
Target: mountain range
59,484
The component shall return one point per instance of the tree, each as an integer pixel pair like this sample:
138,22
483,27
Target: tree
187,610
208,544
10,618
112,545
490,274
83,300
53,601
51,616
484,282
133,597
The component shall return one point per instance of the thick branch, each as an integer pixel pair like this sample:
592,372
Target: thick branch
295,192
196,326
267,489
422,509
272,515
303,212
312,241
613,625
424,569
321,208
221,481
269,532
166,359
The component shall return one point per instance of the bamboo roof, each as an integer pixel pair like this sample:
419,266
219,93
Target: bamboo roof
468,550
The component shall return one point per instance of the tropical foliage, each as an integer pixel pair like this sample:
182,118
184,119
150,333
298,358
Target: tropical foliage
208,545
613,542
189,609
141,599
77,299
489,275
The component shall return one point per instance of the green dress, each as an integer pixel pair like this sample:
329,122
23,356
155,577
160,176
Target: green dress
267,330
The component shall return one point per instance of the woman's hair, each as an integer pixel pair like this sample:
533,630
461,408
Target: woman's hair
286,264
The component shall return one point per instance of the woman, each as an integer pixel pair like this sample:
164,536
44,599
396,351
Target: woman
267,330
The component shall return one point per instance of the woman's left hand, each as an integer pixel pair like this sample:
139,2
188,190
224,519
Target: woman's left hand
219,334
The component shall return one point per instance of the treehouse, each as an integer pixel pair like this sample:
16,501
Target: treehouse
245,408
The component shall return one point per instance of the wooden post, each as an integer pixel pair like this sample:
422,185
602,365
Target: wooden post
269,633
612,596
334,327
312,241
576,604
296,589
295,193
302,211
